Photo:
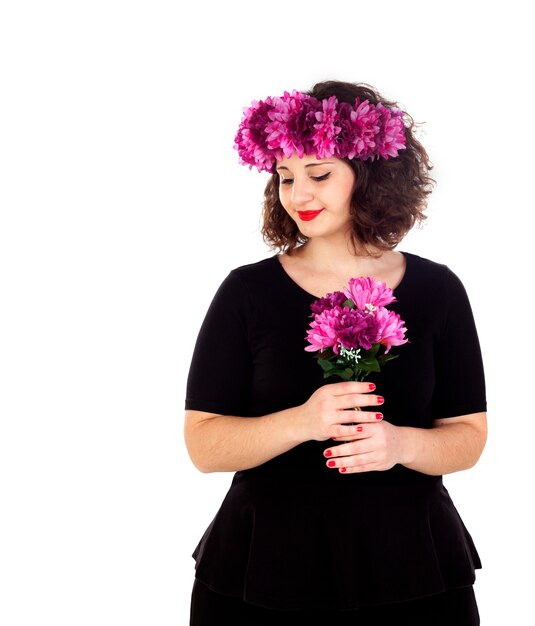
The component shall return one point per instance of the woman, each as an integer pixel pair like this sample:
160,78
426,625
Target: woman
328,517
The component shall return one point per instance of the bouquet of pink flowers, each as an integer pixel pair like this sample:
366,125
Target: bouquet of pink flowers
352,330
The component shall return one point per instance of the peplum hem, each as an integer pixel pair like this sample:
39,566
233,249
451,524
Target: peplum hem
332,543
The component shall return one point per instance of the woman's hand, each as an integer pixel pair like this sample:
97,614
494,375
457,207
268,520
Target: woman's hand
375,447
329,414
451,445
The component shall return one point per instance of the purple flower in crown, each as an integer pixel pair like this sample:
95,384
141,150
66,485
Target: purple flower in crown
345,138
392,135
326,129
251,141
290,128
366,123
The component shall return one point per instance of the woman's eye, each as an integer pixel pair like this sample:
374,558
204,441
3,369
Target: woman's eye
317,179
320,178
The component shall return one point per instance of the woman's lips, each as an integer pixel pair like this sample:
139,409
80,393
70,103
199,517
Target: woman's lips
306,216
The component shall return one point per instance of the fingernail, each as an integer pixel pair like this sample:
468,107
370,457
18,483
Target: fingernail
359,429
380,399
371,386
378,416
331,463
328,453
343,470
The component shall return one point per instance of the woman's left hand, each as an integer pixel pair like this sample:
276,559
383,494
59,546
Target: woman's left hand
377,447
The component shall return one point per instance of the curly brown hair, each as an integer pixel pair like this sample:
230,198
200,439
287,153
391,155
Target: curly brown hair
390,195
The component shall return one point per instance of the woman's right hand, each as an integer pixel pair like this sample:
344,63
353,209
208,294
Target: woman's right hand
327,413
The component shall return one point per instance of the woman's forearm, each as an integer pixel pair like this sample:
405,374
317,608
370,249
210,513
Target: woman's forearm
450,446
225,443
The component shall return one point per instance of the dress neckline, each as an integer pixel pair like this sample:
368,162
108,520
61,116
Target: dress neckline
311,296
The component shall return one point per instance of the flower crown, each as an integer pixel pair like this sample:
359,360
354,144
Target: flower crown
298,123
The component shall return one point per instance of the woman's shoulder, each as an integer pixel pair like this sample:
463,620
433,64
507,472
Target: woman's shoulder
431,276
257,271
427,269
424,264
248,278
256,267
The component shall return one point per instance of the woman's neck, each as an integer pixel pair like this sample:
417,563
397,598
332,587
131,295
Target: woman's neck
336,256
319,268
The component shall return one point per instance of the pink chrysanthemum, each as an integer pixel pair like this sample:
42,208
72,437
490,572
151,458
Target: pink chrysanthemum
290,128
390,328
251,141
392,136
368,293
326,129
323,331
334,327
366,126
361,333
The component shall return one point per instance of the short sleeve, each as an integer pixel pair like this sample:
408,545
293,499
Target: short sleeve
459,374
220,371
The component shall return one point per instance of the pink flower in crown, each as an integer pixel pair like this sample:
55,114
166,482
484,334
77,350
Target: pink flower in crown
368,293
390,328
251,141
366,126
290,127
326,128
392,138
345,136
355,137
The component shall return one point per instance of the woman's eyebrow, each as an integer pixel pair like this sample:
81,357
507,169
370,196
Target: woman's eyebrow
283,167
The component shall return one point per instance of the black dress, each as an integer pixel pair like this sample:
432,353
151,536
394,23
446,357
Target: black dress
292,533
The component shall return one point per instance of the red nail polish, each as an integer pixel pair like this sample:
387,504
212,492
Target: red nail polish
380,399
371,386
378,416
328,453
343,470
359,429
331,464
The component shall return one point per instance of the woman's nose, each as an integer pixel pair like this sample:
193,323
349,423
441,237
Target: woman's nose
301,192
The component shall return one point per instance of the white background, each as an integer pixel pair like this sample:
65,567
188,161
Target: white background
123,207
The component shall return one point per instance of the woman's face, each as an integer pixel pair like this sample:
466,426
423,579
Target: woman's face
316,194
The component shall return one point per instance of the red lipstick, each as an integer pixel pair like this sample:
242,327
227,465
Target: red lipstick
306,216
